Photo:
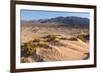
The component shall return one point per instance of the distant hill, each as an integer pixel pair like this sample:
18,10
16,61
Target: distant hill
64,21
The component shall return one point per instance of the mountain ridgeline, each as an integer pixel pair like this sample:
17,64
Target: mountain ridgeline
63,21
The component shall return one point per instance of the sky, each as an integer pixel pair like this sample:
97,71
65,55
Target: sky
39,14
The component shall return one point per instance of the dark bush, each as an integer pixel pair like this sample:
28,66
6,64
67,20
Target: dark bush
28,49
84,37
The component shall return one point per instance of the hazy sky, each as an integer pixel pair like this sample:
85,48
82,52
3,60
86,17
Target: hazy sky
37,14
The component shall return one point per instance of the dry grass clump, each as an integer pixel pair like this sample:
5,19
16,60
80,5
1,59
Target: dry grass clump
28,49
51,38
54,40
84,37
63,38
43,45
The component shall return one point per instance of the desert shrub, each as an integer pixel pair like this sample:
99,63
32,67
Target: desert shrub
36,40
87,36
63,38
51,38
73,39
43,44
84,37
28,49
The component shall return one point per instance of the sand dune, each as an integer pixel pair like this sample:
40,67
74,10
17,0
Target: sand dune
64,53
74,46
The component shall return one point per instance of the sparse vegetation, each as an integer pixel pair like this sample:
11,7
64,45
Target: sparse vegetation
43,45
63,38
73,39
84,37
36,40
28,49
52,38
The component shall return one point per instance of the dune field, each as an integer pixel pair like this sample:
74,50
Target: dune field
53,43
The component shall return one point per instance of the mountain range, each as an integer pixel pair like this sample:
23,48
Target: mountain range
70,21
